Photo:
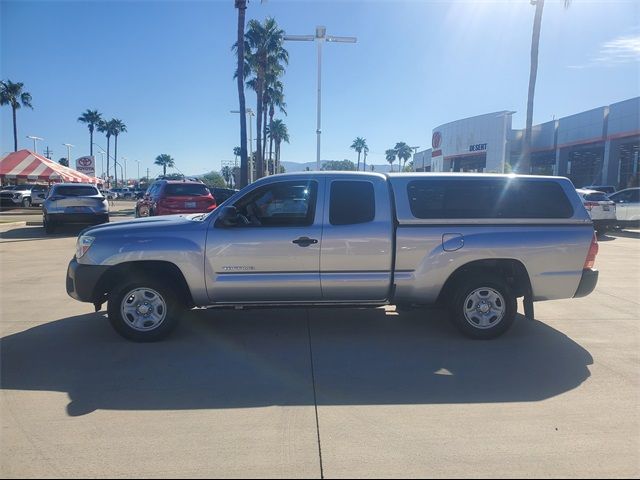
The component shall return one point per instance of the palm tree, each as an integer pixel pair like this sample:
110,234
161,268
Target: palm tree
227,175
92,118
278,132
366,151
106,128
404,152
359,144
390,155
12,94
164,160
274,93
118,128
265,54
524,165
237,152
241,5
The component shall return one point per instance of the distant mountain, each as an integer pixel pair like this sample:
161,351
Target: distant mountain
301,167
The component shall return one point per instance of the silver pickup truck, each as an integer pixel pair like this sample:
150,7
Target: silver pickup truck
474,242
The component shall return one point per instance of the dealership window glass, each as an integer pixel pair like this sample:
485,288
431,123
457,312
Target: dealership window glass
352,202
487,198
282,204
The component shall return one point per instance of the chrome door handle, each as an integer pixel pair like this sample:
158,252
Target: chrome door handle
305,241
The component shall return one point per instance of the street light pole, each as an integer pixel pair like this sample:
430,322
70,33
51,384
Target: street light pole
69,146
125,170
250,114
320,37
35,140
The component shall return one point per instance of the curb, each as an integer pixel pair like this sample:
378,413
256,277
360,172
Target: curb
14,224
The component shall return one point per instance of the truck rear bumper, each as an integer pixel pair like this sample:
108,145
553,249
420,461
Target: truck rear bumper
82,280
588,283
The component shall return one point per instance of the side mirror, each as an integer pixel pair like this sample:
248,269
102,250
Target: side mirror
228,217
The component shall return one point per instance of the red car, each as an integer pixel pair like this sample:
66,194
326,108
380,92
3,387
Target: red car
167,197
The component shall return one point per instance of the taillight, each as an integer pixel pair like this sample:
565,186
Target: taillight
593,251
590,205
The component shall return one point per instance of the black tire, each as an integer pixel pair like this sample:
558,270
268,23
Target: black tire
500,316
48,224
26,202
123,324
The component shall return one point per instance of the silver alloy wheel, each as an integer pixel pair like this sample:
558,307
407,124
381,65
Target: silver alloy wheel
484,308
143,309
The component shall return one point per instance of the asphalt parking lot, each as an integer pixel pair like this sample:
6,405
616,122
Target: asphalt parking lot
305,393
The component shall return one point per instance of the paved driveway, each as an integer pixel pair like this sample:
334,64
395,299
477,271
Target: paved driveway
305,393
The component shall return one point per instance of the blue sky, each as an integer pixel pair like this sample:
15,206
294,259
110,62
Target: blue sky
165,69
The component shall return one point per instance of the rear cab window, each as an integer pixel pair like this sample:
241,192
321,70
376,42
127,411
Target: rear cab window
351,202
493,198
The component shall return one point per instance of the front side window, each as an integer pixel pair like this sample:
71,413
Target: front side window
283,204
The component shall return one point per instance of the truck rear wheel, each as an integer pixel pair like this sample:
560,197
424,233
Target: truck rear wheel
483,307
144,310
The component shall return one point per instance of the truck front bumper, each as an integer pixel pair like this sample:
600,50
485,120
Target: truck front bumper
83,279
588,283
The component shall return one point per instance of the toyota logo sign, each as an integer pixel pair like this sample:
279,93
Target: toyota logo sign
85,162
436,140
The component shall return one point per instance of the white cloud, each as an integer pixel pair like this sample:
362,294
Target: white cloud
620,50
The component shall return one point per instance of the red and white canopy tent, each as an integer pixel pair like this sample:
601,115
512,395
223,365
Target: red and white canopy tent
24,164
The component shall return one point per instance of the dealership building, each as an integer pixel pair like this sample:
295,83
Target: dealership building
599,146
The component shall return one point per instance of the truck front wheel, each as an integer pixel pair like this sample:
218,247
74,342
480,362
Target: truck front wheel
144,310
483,307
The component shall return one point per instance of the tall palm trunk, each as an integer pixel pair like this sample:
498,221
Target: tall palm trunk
108,158
277,162
271,113
264,136
358,169
91,140
115,160
525,161
364,162
241,5
259,94
15,130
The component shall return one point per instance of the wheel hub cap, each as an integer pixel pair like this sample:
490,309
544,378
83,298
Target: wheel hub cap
143,309
484,308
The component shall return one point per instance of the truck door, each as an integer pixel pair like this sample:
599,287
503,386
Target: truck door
272,253
357,240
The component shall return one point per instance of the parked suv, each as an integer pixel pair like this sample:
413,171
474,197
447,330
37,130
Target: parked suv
23,195
170,197
627,207
74,203
601,209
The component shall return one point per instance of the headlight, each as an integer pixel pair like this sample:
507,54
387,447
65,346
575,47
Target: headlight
17,195
83,245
